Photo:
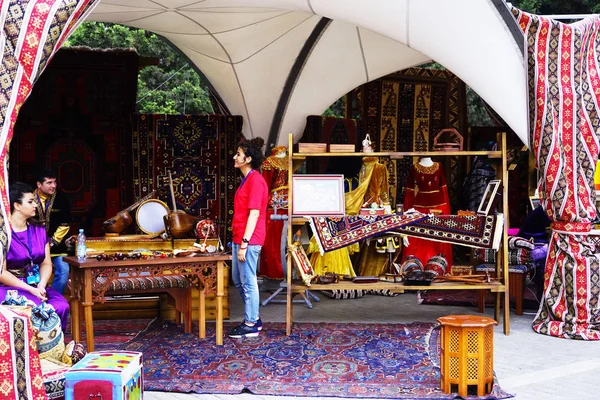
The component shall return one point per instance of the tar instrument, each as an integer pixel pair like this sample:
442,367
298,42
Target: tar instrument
117,224
178,223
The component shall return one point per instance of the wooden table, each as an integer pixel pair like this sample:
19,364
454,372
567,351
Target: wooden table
206,272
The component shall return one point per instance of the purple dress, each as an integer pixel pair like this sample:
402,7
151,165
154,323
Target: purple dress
17,260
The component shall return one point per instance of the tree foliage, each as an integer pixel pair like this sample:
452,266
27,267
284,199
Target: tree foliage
171,87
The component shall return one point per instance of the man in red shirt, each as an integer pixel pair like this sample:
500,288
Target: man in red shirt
249,230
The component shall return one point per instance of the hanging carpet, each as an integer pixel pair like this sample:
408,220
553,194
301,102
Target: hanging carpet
474,231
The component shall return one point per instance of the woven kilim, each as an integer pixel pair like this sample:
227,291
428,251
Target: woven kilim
564,96
403,111
473,231
32,32
336,232
318,360
21,372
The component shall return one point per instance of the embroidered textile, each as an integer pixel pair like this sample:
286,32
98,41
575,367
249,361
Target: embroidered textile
21,373
335,232
31,35
473,231
426,191
564,94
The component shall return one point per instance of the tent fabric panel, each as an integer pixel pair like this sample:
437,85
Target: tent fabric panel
220,22
165,23
252,40
260,75
200,44
384,55
297,5
479,51
388,18
343,70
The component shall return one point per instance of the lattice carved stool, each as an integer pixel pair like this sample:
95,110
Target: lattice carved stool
467,356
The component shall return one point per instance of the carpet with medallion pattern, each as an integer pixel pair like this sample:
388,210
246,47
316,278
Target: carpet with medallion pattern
396,361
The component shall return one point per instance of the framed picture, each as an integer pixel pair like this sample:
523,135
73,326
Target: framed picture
318,195
535,202
302,263
489,197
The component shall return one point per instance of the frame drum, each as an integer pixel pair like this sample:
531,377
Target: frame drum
149,216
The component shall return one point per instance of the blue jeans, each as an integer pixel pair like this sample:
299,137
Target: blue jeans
61,274
243,274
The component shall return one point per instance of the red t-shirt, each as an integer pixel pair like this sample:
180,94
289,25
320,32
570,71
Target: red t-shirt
252,194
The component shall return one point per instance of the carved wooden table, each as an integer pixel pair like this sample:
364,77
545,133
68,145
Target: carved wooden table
205,272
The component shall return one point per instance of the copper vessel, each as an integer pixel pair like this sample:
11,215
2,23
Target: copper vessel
179,224
117,224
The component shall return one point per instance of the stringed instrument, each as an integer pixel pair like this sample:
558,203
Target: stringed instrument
117,224
178,223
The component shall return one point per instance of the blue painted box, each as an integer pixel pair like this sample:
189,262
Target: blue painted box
106,375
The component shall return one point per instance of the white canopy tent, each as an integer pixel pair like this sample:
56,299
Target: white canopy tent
276,61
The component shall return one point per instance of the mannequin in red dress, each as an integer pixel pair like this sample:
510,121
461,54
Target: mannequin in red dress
275,172
426,191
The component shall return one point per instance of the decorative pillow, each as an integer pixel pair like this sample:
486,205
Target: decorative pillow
411,263
437,265
516,242
74,351
518,256
46,322
342,294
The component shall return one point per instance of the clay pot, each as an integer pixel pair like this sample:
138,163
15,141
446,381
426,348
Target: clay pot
180,224
118,223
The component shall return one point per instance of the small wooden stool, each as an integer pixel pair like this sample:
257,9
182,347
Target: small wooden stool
467,356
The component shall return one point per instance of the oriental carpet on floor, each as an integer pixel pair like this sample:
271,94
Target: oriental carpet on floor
113,333
397,361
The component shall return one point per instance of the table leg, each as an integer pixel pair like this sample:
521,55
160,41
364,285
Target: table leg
220,294
74,305
202,312
87,310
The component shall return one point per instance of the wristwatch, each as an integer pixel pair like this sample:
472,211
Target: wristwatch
244,240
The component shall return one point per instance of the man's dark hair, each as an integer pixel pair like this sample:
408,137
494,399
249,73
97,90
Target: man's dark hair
43,174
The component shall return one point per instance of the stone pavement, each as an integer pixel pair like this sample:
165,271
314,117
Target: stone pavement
529,365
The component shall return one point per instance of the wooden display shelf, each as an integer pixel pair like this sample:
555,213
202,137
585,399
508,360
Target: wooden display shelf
495,287
295,159
400,154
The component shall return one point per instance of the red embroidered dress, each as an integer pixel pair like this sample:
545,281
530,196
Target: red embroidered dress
275,172
426,191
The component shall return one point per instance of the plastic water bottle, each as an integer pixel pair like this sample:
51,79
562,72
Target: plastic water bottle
81,246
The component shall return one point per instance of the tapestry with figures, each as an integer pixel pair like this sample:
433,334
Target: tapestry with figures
197,150
403,112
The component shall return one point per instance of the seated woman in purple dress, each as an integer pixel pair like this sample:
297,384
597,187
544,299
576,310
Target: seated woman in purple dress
28,266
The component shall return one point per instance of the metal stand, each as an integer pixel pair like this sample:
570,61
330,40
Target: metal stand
306,295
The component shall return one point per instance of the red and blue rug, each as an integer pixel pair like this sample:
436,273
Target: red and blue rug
317,360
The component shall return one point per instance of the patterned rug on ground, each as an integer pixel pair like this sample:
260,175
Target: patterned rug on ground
317,360
111,334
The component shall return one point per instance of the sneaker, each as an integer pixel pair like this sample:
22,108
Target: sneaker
258,324
243,331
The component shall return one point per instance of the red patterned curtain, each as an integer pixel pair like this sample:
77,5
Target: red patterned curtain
33,30
563,63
